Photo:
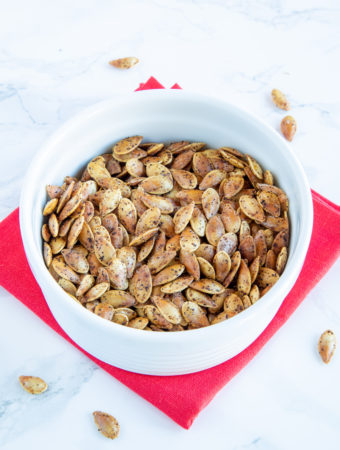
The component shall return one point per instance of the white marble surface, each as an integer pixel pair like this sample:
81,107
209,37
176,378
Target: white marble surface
53,63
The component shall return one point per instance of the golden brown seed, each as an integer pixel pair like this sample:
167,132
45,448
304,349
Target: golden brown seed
247,248
206,268
270,203
244,278
103,248
70,206
158,184
206,251
54,191
86,237
53,225
146,249
166,205
85,284
268,177
244,230
124,63
198,222
148,220
135,167
254,294
207,286
127,214
266,277
109,200
128,256
183,159
138,323
106,424
227,243
230,218
168,274
96,292
75,231
276,223
281,260
235,264
280,99
194,315
246,301
270,260
141,284
200,298
47,254
177,285
201,165
50,206
233,304
231,159
277,191
232,186
103,276
94,264
64,271
33,385
117,273
118,298
76,260
288,127
261,246
214,230
281,240
255,167
68,286
251,208
45,233
222,264
254,268
327,346
189,241
190,261
190,195
167,309
224,315
65,196
184,178
182,217
212,179
156,318
210,203
166,224
158,261
160,241
104,311
143,237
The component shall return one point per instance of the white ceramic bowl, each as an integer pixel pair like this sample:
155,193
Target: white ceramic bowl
163,115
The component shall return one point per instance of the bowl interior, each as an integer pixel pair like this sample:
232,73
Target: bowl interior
166,116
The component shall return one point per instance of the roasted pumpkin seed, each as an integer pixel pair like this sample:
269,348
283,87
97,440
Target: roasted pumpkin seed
161,236
33,385
106,424
327,346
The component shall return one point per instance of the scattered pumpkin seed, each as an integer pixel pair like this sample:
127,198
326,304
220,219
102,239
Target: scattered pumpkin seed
327,346
33,385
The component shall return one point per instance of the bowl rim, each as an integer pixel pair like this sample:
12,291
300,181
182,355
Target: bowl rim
34,255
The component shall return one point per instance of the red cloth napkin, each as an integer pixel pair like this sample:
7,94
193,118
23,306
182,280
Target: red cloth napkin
181,397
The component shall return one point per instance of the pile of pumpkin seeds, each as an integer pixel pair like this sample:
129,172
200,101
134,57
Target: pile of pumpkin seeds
167,237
